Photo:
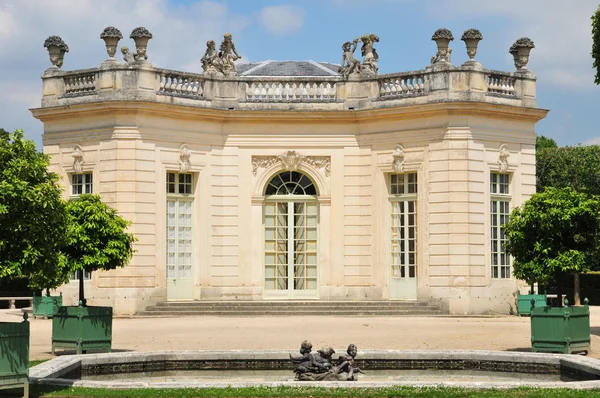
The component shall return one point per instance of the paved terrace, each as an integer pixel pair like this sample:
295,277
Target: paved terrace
505,333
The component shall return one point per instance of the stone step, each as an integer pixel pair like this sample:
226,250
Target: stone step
246,304
293,308
290,313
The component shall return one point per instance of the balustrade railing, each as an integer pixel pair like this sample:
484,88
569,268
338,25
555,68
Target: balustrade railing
291,91
404,85
80,83
503,84
181,84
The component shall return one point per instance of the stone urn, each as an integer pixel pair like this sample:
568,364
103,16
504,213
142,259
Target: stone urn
442,38
471,37
56,49
140,36
111,37
520,51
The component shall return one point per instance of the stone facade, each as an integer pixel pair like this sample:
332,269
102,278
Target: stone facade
453,128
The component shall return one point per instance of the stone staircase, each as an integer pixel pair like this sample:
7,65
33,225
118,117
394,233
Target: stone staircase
287,308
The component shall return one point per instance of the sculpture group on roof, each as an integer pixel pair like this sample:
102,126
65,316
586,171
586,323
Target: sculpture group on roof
223,61
322,366
351,65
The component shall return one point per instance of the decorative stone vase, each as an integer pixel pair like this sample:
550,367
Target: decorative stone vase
471,37
46,306
111,37
524,302
14,360
82,328
560,329
56,49
442,38
520,51
140,36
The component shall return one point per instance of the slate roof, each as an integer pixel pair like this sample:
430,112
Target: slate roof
288,68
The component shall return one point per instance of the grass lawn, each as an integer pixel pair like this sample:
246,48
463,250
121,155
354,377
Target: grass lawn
304,392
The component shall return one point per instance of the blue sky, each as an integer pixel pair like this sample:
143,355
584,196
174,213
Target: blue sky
310,29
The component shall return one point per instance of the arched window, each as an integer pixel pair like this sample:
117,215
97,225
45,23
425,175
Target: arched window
290,183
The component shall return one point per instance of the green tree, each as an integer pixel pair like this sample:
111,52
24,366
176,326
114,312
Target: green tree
97,238
33,217
542,142
555,232
596,44
570,166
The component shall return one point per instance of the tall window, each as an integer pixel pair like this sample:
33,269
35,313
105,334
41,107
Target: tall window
87,275
403,189
499,212
179,225
81,183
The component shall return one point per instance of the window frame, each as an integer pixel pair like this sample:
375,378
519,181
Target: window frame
500,208
83,184
406,191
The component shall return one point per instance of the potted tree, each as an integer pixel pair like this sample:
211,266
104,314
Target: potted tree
96,240
556,232
33,224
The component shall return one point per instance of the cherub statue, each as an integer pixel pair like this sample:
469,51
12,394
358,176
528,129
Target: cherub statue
228,54
210,60
127,56
307,362
345,367
370,56
349,63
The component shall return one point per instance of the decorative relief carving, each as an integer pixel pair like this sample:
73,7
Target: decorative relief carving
291,160
503,155
77,159
184,159
398,159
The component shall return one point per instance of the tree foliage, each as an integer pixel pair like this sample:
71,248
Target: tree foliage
570,166
556,231
33,217
96,238
596,44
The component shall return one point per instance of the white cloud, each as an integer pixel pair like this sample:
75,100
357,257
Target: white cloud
592,141
179,41
283,19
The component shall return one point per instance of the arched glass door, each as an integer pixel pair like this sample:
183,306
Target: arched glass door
290,222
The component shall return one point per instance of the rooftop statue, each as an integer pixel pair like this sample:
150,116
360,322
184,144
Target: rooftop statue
127,56
320,367
369,53
227,55
349,63
210,60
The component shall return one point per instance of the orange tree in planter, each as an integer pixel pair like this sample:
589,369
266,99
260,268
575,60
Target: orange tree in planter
96,238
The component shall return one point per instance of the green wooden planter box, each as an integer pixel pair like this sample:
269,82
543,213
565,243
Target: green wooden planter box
14,361
82,328
561,329
46,306
524,302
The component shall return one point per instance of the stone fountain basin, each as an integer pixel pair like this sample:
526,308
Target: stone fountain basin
68,370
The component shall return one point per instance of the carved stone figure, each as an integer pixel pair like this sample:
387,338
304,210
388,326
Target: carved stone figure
77,159
210,60
349,63
370,56
56,50
503,155
227,55
291,160
398,159
319,367
184,159
520,51
127,56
